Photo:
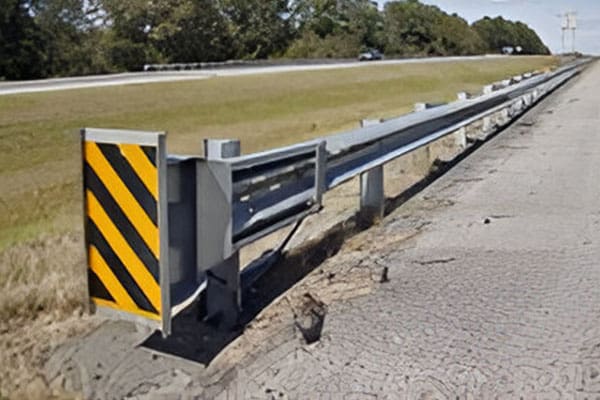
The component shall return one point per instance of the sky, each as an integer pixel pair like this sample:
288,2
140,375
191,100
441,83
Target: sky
541,15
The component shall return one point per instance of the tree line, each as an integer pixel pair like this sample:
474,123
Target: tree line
44,38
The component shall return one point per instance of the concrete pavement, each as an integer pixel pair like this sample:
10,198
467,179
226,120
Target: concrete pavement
493,291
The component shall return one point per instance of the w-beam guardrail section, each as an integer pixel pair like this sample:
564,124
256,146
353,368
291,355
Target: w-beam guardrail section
161,229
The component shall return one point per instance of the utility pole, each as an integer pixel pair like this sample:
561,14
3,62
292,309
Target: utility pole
563,28
573,26
568,23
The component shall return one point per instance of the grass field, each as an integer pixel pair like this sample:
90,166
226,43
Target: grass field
40,198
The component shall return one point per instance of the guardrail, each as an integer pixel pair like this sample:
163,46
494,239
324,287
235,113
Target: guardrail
208,65
160,229
240,63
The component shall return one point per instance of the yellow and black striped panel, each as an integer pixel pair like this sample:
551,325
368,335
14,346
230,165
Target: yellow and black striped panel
121,211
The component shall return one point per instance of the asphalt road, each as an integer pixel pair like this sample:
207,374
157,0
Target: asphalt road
19,87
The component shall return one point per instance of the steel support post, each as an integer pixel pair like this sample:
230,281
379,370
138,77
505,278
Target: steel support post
420,107
222,263
460,138
372,196
487,124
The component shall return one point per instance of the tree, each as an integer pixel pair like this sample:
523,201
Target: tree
21,42
409,27
454,36
73,42
259,28
128,25
498,33
192,31
413,28
335,28
363,20
144,32
40,38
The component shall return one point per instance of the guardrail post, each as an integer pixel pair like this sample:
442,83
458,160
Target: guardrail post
420,107
460,138
223,288
218,149
321,172
487,124
372,197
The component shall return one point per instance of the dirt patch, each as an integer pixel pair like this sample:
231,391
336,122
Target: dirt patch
301,310
42,277
25,346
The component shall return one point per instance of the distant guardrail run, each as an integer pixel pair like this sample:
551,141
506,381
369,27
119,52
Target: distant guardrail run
289,62
241,63
161,229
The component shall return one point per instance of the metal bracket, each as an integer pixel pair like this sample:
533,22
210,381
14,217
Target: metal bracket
216,256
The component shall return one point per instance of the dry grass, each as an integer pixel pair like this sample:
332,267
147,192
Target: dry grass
41,250
59,259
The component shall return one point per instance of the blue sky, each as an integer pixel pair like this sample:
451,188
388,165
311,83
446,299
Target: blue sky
541,15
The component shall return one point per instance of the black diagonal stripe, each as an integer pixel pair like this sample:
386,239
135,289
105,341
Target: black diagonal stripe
130,179
97,288
116,215
150,152
137,295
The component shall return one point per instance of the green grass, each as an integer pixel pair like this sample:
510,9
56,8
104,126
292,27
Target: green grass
39,167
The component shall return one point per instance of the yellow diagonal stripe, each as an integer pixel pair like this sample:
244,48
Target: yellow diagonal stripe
119,245
122,195
110,281
142,166
115,306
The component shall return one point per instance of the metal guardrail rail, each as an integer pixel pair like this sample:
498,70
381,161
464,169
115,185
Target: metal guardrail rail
210,207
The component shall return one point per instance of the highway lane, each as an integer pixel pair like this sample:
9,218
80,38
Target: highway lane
136,78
